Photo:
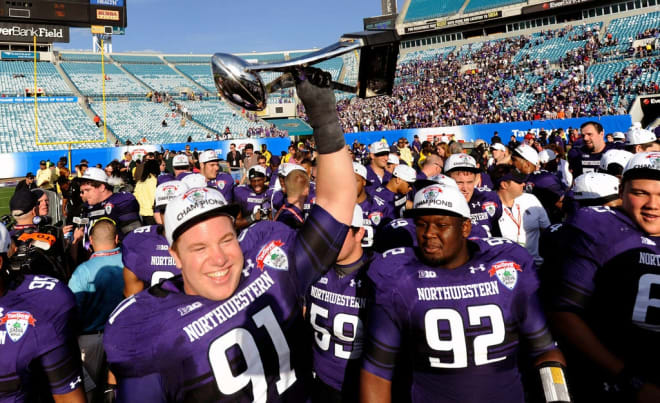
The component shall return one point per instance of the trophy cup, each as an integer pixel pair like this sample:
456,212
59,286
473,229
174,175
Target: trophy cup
238,81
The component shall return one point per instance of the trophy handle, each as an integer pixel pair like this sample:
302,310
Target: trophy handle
286,81
334,50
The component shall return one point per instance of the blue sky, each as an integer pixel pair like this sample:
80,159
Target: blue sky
208,26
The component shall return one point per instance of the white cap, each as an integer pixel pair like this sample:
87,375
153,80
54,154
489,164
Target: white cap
644,165
192,207
357,221
498,146
168,191
547,155
393,159
639,136
360,170
95,174
194,181
256,171
439,200
618,136
379,147
460,162
405,172
208,156
595,185
180,161
636,125
5,239
286,168
528,153
439,178
620,157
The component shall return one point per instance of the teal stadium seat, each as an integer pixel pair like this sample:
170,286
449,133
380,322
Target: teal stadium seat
16,76
425,9
480,5
200,73
159,77
87,78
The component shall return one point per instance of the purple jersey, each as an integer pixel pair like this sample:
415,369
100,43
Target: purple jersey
145,252
581,160
393,203
610,276
486,182
337,308
275,198
290,215
121,207
164,177
374,182
548,188
373,214
37,322
460,328
249,200
399,233
249,347
485,212
225,184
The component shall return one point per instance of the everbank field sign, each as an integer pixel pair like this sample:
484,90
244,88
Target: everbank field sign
26,32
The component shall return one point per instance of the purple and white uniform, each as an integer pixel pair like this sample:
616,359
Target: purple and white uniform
485,213
337,311
393,203
145,253
163,344
37,322
121,207
399,233
610,277
459,329
373,215
374,182
249,200
225,184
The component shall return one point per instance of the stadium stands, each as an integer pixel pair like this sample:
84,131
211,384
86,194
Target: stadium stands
425,9
137,59
159,77
188,59
57,122
332,66
480,5
200,73
217,116
16,76
87,78
82,57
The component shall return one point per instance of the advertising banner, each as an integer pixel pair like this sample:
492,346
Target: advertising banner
15,32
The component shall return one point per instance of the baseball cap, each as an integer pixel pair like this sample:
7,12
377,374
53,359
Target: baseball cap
393,159
620,157
286,168
180,161
461,162
357,221
437,179
618,136
165,192
547,155
498,146
597,187
192,207
208,156
529,136
29,175
439,200
645,165
405,172
5,239
360,170
257,171
42,162
23,201
95,174
378,147
528,153
194,181
514,175
636,136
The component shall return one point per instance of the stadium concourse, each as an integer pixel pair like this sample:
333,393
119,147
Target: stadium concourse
488,233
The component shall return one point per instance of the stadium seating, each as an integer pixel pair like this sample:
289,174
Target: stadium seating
159,77
188,59
137,59
626,29
480,5
16,76
426,54
83,57
424,9
261,58
217,116
87,78
57,122
332,66
200,73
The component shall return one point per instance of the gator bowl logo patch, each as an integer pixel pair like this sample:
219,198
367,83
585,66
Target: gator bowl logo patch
490,208
272,255
376,217
17,323
195,195
506,272
108,208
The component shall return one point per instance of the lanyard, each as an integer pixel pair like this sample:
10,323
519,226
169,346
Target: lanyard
101,254
517,222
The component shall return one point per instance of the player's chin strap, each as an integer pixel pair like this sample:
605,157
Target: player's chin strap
553,382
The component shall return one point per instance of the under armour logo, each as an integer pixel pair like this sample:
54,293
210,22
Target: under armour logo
74,383
474,269
250,266
555,227
475,205
353,282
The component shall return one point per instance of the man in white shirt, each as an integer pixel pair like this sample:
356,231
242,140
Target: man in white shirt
523,217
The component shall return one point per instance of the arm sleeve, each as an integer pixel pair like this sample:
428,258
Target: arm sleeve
62,368
383,343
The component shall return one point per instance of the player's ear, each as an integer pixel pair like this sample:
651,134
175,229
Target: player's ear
175,256
466,227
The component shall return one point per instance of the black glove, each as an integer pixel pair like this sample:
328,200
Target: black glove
315,91
109,395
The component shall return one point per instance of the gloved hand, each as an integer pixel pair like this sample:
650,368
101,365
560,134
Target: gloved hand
315,91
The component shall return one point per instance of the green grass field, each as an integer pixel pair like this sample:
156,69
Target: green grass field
5,195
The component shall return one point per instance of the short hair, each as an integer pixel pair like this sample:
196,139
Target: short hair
596,125
455,148
104,230
95,184
248,147
296,182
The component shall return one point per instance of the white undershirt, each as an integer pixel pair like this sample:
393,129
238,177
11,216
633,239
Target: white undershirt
523,223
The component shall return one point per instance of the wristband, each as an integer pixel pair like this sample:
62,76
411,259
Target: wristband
553,382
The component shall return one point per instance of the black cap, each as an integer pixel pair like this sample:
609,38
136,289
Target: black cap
29,175
23,201
42,162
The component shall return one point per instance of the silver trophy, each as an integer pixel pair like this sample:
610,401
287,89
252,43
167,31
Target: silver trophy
239,82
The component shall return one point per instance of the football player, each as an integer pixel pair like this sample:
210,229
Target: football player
250,197
394,194
231,327
456,312
373,212
210,168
